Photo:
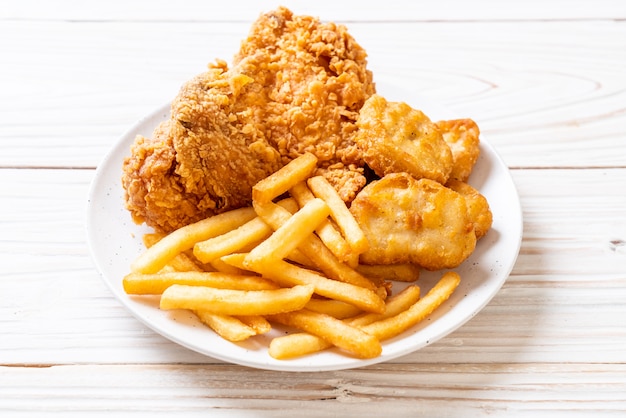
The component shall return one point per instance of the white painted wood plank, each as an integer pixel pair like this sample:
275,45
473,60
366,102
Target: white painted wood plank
466,390
545,81
351,10
545,94
562,303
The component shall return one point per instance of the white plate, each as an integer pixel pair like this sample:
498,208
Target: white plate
115,241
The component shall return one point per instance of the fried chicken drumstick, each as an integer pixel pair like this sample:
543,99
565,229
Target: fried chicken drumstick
295,86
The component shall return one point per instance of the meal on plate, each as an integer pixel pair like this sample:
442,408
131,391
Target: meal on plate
283,189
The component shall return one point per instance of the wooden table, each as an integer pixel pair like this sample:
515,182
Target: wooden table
546,82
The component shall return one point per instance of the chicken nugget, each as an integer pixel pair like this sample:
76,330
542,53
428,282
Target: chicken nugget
414,221
396,138
477,205
461,135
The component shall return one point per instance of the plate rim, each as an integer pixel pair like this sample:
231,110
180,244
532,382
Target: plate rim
124,141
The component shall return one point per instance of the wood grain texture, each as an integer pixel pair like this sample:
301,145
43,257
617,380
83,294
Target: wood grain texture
550,308
417,390
546,94
351,10
544,80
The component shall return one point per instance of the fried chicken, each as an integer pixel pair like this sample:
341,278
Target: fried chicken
414,221
204,159
295,86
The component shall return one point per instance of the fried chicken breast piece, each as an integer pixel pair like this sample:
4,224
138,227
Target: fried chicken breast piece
462,136
221,148
315,81
153,192
414,221
395,138
295,86
205,158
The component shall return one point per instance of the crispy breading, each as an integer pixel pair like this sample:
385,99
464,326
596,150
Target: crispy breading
295,86
204,160
220,151
315,79
414,221
477,206
394,138
462,136
153,191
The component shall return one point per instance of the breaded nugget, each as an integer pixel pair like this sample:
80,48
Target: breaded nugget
414,221
477,206
462,136
396,138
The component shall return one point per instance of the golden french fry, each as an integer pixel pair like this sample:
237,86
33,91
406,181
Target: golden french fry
155,284
326,261
275,215
328,233
296,345
236,302
299,258
158,255
258,323
299,344
152,238
227,327
182,262
334,308
243,238
219,265
315,250
395,305
232,241
331,329
397,272
167,269
340,213
282,180
286,274
352,259
289,236
397,324
235,260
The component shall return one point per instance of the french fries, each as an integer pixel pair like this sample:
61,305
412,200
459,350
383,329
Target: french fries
395,325
314,249
396,272
284,179
293,262
327,231
289,236
158,255
155,284
334,308
236,302
227,327
340,213
295,345
334,331
288,274
248,234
